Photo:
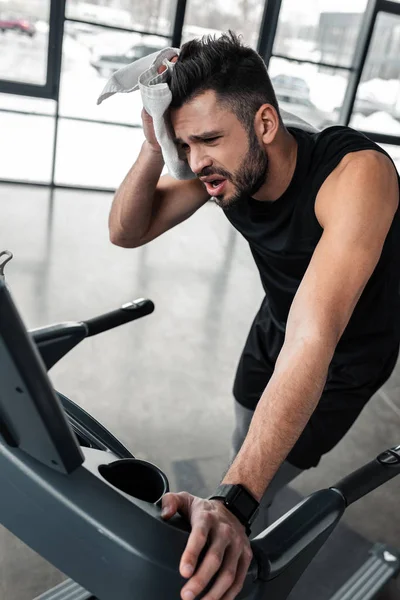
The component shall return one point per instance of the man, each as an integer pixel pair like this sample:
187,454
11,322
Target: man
320,212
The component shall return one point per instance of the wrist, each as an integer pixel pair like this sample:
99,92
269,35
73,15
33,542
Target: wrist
152,149
236,499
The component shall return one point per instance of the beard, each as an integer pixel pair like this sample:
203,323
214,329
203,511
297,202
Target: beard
248,179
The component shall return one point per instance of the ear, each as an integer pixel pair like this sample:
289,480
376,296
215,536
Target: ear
266,123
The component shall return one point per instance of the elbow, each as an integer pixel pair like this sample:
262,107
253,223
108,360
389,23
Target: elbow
313,345
117,238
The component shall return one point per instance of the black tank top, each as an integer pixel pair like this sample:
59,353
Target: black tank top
283,235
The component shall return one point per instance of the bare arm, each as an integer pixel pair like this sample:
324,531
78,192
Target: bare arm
355,208
145,205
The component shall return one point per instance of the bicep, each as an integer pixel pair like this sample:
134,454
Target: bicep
175,201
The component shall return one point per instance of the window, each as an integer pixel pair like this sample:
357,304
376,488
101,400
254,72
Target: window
26,147
150,15
319,30
202,17
24,38
27,104
307,92
91,55
394,153
377,104
94,154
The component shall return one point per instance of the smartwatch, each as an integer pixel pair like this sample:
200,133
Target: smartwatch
239,502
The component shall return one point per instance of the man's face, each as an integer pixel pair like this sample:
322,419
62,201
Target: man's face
230,161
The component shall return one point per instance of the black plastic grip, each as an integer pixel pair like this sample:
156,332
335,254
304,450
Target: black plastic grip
128,312
370,476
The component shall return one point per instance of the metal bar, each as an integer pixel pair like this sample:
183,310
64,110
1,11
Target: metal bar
118,124
25,89
68,590
360,56
56,186
55,139
313,62
178,24
268,29
382,138
372,576
57,37
16,111
118,28
388,6
54,55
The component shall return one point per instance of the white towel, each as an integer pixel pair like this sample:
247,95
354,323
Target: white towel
156,97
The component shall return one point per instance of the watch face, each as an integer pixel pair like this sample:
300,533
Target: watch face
246,504
240,501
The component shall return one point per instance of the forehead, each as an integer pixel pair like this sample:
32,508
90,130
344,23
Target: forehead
204,112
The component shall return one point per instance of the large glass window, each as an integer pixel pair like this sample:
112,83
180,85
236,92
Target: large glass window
90,56
319,30
377,105
150,15
394,152
26,147
94,154
308,92
27,104
24,38
204,17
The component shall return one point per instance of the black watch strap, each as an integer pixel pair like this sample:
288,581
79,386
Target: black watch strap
239,502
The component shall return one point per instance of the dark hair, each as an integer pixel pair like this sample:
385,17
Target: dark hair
235,72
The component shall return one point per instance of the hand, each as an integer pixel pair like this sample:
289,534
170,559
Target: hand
147,120
228,554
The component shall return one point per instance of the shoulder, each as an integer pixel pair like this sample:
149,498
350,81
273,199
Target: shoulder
362,168
330,149
364,180
334,143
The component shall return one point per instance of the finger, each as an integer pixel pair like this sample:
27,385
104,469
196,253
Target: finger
163,68
241,572
227,573
210,565
195,544
172,503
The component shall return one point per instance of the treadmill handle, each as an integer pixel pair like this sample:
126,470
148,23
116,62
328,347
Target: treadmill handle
128,312
370,476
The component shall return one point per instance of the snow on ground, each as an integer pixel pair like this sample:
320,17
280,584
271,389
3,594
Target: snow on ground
380,122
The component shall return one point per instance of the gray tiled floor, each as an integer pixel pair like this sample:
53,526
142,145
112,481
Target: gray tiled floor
161,384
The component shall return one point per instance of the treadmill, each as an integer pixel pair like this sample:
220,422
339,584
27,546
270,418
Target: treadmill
73,493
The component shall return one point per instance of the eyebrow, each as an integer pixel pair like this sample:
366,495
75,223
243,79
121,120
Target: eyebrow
203,136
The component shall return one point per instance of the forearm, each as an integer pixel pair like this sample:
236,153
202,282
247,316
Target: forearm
131,210
282,413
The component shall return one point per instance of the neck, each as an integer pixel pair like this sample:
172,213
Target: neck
282,159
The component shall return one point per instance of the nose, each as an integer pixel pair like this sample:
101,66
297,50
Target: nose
198,160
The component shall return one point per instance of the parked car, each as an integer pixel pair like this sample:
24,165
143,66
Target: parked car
293,95
108,62
21,25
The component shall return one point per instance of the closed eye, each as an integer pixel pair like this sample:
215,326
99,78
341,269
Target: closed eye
186,147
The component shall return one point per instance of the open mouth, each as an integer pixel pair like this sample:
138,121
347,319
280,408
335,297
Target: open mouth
215,186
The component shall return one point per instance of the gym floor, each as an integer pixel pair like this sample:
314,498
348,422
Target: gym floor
161,384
